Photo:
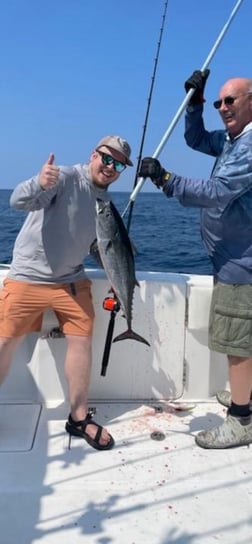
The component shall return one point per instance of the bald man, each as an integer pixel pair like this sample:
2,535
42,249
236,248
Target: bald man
225,200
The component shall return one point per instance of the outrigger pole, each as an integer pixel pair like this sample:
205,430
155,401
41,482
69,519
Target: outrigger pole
181,109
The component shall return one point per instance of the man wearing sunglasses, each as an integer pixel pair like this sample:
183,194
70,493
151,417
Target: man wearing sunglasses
225,200
47,269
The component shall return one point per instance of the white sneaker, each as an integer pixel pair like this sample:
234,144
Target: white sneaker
233,432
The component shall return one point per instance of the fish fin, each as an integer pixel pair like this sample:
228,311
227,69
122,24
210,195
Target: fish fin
108,246
131,335
95,254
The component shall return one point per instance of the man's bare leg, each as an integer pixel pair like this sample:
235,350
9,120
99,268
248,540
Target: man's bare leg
240,377
77,370
7,348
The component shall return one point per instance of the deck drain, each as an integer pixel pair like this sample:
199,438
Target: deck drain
158,409
156,435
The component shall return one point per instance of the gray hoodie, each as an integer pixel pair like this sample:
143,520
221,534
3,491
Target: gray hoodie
59,228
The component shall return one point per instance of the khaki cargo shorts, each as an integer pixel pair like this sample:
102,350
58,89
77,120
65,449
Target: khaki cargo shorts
230,320
22,306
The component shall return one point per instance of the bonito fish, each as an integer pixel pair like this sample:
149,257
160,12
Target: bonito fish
117,258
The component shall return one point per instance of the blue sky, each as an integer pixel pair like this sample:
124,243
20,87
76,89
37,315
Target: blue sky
73,71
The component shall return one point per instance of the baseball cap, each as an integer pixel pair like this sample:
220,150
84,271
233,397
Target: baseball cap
118,144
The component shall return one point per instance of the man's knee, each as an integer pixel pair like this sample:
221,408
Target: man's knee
10,342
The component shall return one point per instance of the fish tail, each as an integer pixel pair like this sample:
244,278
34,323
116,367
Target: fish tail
131,335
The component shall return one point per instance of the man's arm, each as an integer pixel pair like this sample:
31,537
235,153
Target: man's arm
196,136
200,139
38,191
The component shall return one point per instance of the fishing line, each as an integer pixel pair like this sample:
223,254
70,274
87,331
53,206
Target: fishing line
147,112
181,109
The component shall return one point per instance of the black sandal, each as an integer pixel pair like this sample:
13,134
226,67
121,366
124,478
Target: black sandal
78,428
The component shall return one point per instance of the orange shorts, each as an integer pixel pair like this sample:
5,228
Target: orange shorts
22,305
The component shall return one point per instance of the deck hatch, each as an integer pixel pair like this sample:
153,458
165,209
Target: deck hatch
18,426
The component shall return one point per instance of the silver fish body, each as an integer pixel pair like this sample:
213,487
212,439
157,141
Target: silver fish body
117,258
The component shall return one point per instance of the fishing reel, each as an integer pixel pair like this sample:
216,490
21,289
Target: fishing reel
111,304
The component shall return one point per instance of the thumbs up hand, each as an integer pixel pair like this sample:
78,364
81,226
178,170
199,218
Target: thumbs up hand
49,173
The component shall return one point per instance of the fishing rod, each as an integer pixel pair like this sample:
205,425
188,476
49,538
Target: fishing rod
111,303
147,112
181,109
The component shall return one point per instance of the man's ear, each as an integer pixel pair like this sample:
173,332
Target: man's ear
93,155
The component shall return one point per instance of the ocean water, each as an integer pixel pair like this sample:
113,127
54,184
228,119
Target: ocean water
166,235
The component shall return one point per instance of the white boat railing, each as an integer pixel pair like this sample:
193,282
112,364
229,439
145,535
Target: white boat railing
169,310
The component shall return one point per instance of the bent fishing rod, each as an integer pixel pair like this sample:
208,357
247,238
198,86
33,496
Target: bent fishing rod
181,109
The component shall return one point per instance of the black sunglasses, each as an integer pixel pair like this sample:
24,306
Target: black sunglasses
228,100
108,159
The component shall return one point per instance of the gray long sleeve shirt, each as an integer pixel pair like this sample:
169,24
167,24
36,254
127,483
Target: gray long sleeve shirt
59,228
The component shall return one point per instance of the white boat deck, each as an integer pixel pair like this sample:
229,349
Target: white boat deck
143,491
